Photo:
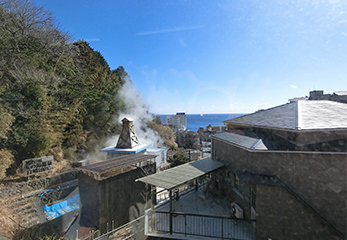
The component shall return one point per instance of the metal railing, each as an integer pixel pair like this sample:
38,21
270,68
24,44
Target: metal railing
163,195
186,224
126,231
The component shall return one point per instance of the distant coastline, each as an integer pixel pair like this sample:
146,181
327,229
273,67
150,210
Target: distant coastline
195,121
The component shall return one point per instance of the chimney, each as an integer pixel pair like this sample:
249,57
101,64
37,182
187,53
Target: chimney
127,138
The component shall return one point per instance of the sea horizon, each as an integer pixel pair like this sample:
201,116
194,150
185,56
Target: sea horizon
196,121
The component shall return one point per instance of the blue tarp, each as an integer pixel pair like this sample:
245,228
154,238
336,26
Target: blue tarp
61,208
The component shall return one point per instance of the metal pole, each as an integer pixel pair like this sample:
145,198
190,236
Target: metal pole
153,197
185,225
170,198
222,229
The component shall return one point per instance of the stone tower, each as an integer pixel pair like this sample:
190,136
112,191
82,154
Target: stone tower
127,138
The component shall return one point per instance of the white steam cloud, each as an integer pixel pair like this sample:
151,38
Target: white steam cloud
138,111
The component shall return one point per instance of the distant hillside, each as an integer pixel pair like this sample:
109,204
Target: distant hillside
56,97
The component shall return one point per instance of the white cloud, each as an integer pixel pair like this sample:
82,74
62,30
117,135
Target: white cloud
292,86
169,30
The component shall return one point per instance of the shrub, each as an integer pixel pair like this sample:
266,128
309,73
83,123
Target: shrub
6,159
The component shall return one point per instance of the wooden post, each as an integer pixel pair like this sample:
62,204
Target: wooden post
153,197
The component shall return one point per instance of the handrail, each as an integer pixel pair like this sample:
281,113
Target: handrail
203,215
120,227
216,227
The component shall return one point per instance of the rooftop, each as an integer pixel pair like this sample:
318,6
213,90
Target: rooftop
110,168
133,150
298,115
243,141
181,174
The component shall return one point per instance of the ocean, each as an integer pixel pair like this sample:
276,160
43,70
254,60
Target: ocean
195,121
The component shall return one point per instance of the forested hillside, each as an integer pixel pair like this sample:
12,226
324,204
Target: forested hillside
56,97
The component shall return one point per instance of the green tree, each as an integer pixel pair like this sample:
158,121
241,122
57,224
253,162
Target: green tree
178,159
54,96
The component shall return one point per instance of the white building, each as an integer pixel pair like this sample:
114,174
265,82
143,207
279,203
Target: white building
178,121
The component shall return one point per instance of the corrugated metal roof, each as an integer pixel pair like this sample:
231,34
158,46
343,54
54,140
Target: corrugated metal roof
243,141
179,175
298,115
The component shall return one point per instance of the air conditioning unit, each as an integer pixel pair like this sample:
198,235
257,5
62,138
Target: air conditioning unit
236,210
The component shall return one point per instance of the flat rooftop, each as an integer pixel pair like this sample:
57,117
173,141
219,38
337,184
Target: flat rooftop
112,167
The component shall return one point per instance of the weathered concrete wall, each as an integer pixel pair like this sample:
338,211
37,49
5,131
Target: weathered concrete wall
319,178
323,140
295,222
223,185
118,199
53,228
32,185
123,199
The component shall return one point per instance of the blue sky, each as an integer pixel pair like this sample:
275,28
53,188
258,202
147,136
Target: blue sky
227,56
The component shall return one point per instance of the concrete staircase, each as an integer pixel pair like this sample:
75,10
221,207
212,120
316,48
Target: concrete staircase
27,209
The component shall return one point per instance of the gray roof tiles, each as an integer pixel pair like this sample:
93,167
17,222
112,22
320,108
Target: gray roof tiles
298,115
243,141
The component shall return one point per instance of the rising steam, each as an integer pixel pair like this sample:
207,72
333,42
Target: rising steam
138,111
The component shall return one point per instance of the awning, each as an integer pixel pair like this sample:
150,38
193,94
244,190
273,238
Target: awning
179,175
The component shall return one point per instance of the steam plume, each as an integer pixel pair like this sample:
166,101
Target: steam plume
138,111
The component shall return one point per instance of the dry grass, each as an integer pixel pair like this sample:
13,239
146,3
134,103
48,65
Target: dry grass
9,223
59,167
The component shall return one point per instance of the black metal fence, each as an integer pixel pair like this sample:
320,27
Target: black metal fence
186,224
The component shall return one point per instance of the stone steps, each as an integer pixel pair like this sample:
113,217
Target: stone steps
26,208
22,208
30,219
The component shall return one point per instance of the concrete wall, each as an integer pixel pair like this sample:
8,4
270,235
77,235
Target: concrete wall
296,221
119,199
123,199
223,185
37,184
275,139
319,178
